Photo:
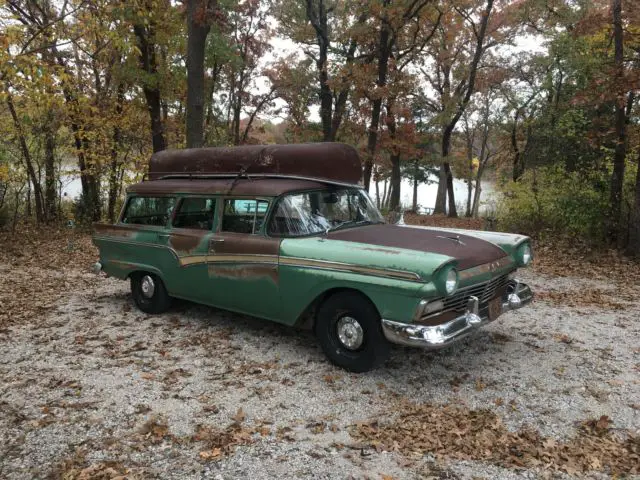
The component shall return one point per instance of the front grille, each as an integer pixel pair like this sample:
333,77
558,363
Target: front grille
484,291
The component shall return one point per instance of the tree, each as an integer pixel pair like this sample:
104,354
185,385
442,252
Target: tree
620,153
199,13
466,35
330,32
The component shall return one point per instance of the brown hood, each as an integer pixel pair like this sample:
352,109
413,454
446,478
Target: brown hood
469,253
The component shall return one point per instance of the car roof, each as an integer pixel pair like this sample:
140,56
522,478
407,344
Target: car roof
251,187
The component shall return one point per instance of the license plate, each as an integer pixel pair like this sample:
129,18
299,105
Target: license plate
495,308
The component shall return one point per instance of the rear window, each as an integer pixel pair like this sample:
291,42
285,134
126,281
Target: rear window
149,211
195,213
243,216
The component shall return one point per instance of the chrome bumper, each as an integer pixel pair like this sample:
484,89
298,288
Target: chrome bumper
440,336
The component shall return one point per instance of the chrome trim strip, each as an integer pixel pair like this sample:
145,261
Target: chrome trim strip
187,260
486,268
349,267
440,336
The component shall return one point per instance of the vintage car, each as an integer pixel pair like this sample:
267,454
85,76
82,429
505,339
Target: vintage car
286,233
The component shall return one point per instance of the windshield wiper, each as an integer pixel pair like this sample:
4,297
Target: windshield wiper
354,223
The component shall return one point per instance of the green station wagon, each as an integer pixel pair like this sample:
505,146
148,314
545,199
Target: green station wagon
285,233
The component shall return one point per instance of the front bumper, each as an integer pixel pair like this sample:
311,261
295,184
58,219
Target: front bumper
440,336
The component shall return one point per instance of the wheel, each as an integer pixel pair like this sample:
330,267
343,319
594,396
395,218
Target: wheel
349,330
149,293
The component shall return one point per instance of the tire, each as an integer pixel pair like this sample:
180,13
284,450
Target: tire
155,300
368,348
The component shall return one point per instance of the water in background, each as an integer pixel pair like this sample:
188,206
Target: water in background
426,193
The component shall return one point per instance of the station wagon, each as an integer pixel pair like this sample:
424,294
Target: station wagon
287,234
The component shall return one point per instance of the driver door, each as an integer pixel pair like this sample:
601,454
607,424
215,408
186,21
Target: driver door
243,262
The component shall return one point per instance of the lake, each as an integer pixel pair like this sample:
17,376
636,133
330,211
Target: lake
426,192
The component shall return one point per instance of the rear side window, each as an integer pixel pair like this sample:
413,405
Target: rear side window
149,211
243,216
196,213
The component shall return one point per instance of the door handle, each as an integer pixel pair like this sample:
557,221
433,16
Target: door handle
213,242
163,235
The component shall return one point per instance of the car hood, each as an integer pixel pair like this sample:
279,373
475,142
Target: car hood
467,250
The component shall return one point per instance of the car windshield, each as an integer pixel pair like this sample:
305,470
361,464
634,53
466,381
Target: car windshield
308,213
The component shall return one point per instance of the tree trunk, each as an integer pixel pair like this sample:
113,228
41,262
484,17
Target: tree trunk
318,19
114,165
384,51
27,159
633,247
394,201
50,174
445,185
470,164
384,194
414,207
198,28
477,192
440,206
151,88
395,156
617,178
377,180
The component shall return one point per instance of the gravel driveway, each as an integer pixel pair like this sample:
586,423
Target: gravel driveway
93,388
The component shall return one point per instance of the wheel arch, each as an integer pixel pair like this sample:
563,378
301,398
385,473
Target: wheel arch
306,320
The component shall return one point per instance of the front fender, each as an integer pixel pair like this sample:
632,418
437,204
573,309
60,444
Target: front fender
300,287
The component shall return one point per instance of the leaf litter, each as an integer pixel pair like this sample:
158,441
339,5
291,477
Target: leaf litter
457,432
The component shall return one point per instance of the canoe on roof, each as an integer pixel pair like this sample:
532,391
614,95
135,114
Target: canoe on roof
328,162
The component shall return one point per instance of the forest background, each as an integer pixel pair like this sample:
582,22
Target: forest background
427,90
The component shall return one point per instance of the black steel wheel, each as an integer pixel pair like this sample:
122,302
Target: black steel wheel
149,293
350,333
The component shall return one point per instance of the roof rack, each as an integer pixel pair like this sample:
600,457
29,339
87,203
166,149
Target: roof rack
254,176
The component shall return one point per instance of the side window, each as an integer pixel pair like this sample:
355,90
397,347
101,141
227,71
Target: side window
196,213
148,210
243,216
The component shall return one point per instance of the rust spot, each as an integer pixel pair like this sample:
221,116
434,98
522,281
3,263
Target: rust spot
381,250
244,272
184,243
114,230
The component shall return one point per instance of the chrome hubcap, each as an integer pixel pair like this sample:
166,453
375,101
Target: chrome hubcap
147,286
350,333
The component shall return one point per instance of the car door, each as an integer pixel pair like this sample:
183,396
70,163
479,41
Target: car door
243,261
142,235
189,236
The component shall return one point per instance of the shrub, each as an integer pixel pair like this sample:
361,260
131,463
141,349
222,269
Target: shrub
549,200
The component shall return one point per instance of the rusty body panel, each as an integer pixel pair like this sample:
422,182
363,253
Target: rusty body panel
326,161
186,241
469,251
122,231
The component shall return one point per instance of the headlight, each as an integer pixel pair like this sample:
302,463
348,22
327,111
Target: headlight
525,255
451,282
446,280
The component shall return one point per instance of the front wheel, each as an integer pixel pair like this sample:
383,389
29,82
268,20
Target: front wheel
350,333
149,293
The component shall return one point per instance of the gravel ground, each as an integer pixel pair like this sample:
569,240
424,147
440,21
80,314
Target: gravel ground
94,388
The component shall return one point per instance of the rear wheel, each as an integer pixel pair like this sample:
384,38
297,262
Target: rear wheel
349,330
149,293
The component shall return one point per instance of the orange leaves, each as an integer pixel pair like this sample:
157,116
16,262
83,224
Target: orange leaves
457,432
223,442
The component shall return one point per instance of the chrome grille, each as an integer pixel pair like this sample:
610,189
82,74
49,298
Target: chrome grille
484,291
